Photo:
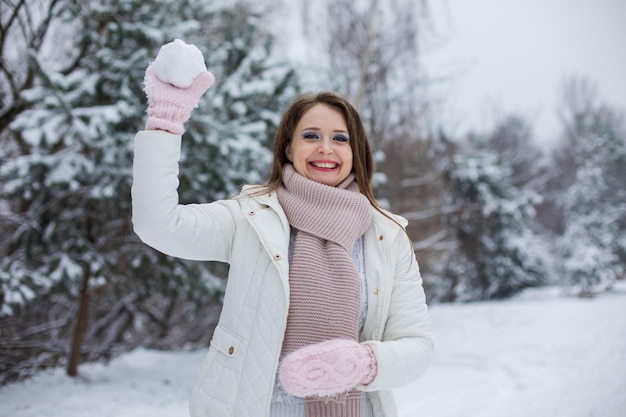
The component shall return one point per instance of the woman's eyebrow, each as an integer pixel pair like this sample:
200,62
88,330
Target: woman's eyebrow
319,130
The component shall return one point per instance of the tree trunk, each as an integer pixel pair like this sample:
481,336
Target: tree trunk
367,57
80,326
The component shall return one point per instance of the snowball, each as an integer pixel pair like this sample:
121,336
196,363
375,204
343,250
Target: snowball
178,63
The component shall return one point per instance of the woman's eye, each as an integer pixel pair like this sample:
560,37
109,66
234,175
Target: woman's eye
310,135
341,138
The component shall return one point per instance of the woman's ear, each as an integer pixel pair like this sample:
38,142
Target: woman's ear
288,152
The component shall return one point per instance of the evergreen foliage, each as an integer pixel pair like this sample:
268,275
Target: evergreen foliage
498,254
593,245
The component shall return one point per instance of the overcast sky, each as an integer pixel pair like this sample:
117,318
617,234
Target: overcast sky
511,56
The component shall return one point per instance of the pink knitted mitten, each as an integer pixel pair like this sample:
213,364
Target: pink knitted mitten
169,107
327,368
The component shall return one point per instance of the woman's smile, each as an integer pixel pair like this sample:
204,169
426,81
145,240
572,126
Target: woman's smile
324,165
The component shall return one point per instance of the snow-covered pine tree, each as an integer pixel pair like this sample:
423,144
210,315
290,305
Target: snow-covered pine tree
68,156
228,139
498,253
512,140
593,245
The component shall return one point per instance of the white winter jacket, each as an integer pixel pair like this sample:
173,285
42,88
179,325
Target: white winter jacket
251,233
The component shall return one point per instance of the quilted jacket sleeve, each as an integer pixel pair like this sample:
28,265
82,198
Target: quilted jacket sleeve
193,231
406,347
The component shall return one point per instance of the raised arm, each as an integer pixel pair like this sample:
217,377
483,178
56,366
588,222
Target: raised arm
174,83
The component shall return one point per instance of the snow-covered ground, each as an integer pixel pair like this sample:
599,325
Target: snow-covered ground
539,354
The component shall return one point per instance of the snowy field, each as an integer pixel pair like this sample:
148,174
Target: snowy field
539,354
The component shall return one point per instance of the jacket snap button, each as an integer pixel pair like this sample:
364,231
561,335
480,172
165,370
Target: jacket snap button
231,350
375,291
381,237
277,257
252,212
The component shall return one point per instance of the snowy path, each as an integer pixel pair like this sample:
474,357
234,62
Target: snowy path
536,355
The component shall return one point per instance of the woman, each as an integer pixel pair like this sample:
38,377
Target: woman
324,310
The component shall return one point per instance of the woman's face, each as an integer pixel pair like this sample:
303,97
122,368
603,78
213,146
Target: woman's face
320,146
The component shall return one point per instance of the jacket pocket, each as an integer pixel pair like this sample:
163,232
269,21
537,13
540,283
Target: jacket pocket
225,341
216,390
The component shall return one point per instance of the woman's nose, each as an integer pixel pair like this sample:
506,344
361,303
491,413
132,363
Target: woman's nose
325,146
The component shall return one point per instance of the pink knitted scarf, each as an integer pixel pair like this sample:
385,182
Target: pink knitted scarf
325,292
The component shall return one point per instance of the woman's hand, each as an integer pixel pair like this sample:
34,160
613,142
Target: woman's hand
174,83
327,368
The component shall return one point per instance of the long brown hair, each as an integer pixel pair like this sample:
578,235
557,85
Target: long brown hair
362,160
